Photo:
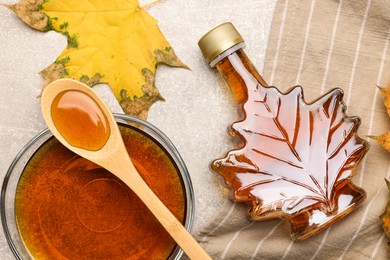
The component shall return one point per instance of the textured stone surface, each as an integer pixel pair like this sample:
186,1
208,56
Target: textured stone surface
198,106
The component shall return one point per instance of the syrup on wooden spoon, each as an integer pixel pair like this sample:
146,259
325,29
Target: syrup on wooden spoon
82,122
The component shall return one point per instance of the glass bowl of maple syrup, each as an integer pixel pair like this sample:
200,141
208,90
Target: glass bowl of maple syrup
55,204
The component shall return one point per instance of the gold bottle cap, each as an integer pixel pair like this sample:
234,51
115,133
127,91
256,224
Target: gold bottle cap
218,40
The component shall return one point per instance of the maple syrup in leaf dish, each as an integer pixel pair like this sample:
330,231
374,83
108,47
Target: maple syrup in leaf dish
297,159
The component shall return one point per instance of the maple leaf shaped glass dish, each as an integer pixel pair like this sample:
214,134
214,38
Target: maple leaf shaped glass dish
298,159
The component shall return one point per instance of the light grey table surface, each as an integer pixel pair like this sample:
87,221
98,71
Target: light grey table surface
198,106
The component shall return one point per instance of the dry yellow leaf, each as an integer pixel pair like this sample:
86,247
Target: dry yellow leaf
386,96
385,217
384,139
109,41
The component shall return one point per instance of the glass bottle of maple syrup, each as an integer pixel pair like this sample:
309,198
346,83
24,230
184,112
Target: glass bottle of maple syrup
223,49
297,159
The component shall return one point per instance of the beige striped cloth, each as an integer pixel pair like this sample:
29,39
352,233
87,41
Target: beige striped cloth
322,44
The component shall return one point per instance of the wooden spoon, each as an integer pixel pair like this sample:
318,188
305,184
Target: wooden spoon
82,122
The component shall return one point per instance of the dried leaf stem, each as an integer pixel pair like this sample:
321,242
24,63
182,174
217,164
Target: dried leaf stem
150,4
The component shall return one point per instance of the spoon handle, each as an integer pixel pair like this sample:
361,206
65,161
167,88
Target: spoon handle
125,170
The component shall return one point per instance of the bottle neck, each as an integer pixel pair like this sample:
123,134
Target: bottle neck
240,74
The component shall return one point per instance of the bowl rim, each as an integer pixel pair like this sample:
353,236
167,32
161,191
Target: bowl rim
187,183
